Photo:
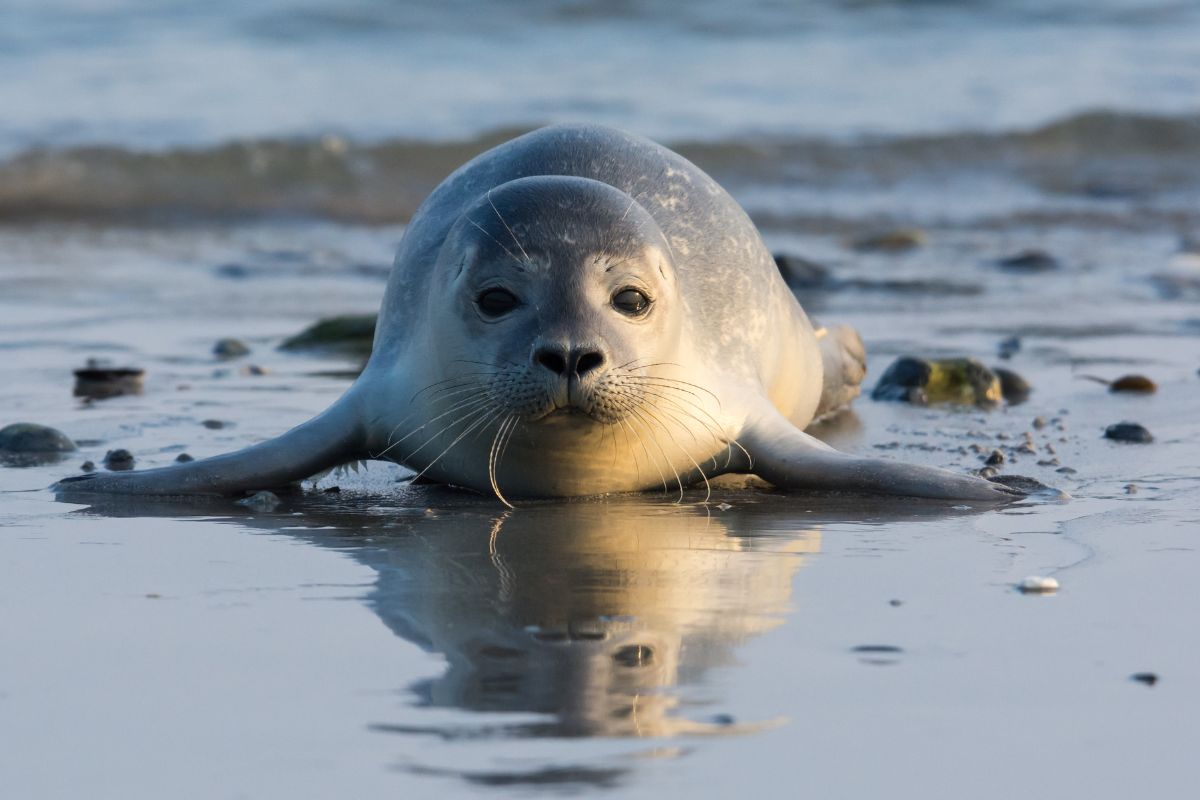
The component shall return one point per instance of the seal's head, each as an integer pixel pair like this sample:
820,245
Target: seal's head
564,299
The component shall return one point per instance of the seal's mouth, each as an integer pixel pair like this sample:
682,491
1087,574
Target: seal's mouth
568,411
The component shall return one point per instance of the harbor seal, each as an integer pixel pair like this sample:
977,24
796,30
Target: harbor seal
580,311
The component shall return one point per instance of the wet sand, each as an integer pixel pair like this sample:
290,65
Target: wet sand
388,638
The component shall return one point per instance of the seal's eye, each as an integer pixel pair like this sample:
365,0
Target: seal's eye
496,302
631,302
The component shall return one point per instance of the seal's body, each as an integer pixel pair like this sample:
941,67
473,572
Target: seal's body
581,311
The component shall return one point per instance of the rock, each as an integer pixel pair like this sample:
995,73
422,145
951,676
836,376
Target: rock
894,241
1035,584
261,501
1029,261
1013,388
214,424
230,348
1133,383
1067,470
1148,678
254,369
183,458
957,380
1039,422
29,437
88,466
1009,347
119,460
353,333
1048,462
995,458
1027,448
800,273
98,382
1128,432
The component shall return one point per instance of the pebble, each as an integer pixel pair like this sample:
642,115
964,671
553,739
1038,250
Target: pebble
28,437
1027,448
1067,470
1013,387
183,458
1009,347
119,460
213,424
894,241
1133,383
88,466
254,369
1029,261
995,458
801,273
1039,422
230,348
99,382
1048,462
1128,432
1148,678
261,501
1131,488
1035,584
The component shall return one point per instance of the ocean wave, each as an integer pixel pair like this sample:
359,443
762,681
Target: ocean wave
1099,155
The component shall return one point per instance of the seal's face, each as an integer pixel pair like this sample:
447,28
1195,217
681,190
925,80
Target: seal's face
565,300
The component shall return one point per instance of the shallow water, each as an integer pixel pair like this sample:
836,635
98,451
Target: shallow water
386,638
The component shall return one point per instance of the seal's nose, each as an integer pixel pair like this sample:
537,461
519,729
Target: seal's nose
576,362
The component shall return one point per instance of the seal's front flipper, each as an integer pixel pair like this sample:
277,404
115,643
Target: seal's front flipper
791,459
326,441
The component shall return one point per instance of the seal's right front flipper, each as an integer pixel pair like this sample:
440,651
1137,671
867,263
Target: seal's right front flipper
331,439
791,459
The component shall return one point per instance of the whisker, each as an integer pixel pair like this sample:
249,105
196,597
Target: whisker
510,230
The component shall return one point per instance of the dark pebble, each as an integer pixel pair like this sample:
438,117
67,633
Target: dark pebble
895,603
1039,422
995,458
895,241
800,273
1148,678
1029,261
88,466
1014,388
119,460
213,424
97,382
1009,347
230,348
1133,383
1128,432
1067,470
183,458
28,437
353,333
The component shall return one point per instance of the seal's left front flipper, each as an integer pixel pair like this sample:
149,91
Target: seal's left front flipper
328,440
791,459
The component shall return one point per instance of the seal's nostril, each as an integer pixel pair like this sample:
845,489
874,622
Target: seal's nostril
586,362
551,360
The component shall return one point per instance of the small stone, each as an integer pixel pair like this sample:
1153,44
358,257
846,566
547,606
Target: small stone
1027,448
1035,584
88,466
1148,678
1048,462
183,458
1049,448
1009,347
230,348
261,501
1131,488
801,273
213,424
1013,387
119,460
894,241
1029,261
1039,422
1067,470
254,369
894,603
995,458
27,437
1139,384
1128,432
98,382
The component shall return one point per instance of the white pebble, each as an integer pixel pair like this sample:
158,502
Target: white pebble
1036,584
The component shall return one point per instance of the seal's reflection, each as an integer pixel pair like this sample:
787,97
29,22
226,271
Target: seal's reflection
589,614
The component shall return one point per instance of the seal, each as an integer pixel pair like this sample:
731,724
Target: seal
581,311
